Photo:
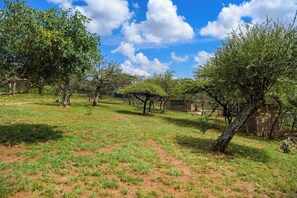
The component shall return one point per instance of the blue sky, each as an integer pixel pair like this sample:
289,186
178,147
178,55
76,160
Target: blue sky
148,36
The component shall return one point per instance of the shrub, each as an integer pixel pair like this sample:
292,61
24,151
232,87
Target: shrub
286,145
205,124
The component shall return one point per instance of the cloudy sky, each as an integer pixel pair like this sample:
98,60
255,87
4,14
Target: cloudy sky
148,36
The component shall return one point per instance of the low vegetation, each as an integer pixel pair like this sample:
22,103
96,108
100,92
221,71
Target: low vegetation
113,151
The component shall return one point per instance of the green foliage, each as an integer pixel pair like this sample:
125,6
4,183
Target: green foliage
108,76
286,145
253,59
165,80
205,124
42,46
188,86
144,88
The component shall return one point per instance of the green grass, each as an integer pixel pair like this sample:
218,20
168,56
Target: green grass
113,151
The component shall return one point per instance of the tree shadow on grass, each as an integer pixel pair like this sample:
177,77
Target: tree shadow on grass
184,122
199,145
28,133
112,102
132,113
48,103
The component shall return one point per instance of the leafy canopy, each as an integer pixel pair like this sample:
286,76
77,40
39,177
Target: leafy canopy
144,88
253,59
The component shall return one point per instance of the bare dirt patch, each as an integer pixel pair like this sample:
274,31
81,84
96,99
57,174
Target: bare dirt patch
84,152
168,159
152,184
9,154
110,148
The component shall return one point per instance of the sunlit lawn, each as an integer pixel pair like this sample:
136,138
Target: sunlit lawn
113,151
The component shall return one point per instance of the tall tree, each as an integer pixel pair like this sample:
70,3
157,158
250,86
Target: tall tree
167,82
44,46
250,62
108,76
79,50
144,92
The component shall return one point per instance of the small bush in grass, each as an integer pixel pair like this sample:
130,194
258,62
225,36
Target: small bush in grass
286,145
205,124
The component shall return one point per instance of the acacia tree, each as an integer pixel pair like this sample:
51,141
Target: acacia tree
167,82
144,92
250,62
227,100
108,76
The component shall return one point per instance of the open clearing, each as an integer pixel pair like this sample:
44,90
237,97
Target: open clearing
113,151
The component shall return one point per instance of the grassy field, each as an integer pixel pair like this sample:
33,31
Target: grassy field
113,151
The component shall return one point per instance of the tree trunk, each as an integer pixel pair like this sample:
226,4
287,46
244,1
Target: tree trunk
202,108
150,106
186,106
144,105
40,90
66,95
96,96
272,129
10,89
222,142
129,100
164,104
13,87
294,121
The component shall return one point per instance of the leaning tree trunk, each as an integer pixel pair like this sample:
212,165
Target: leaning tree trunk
222,142
66,95
96,96
164,104
274,123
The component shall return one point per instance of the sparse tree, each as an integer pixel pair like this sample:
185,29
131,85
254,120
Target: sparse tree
144,92
250,62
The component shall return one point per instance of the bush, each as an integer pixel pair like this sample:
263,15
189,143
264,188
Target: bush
286,145
205,124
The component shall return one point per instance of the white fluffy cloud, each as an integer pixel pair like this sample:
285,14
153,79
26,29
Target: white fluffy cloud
202,57
162,25
179,58
106,15
65,4
129,68
231,16
138,63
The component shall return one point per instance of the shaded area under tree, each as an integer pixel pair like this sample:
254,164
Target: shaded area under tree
200,145
28,133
